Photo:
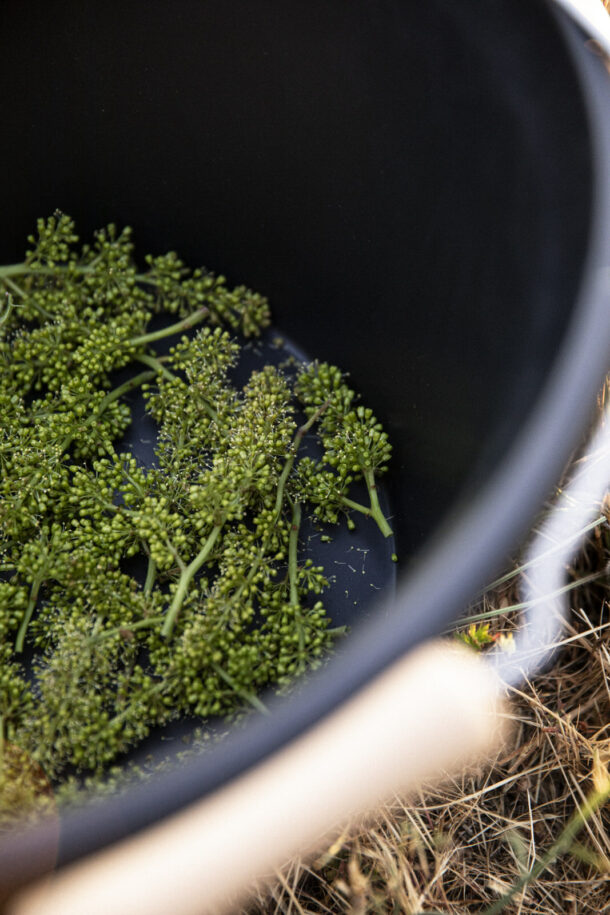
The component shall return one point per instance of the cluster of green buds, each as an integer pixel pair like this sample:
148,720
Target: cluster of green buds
144,593
355,446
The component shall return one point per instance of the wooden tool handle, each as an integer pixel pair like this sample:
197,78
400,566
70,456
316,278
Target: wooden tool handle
435,710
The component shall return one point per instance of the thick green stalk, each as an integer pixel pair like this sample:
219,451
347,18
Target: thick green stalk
371,511
151,574
190,321
293,573
27,616
292,554
24,269
147,623
301,432
376,512
185,580
125,388
21,270
19,291
15,288
9,307
157,365
356,506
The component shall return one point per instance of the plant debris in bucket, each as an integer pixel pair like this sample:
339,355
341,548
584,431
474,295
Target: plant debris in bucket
93,654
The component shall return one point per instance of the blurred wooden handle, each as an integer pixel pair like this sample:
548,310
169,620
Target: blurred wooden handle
435,710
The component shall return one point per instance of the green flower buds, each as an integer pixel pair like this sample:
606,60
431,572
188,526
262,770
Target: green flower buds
145,593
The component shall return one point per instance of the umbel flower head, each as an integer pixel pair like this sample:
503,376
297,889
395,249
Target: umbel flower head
226,605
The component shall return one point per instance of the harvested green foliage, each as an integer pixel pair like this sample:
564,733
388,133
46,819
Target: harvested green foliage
224,607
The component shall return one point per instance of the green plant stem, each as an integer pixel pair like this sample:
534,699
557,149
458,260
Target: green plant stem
292,554
376,512
301,432
174,552
185,579
292,572
151,574
369,512
185,324
157,365
243,693
125,388
15,288
357,506
364,510
27,616
135,485
20,270
593,802
24,269
19,291
9,307
148,623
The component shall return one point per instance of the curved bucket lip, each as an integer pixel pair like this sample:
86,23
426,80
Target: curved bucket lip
436,586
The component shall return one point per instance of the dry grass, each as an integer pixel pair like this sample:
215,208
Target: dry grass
457,848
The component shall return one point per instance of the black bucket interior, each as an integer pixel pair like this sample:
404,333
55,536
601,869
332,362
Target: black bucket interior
409,183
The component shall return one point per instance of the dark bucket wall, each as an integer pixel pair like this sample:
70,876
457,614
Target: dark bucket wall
408,183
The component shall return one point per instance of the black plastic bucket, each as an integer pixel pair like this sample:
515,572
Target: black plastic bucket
423,192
